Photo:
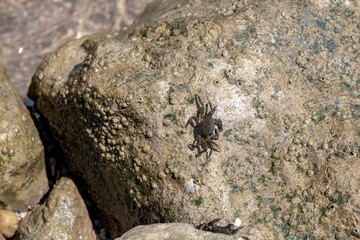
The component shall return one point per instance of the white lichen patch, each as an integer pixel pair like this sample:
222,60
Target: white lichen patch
190,186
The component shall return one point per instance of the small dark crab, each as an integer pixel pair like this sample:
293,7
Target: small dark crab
229,229
206,129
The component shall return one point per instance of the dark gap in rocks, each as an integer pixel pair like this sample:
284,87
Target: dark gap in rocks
53,153
55,169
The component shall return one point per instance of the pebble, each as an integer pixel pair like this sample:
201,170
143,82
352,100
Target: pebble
149,134
9,223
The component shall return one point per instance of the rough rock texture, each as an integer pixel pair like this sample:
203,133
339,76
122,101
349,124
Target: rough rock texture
284,77
22,165
171,231
64,216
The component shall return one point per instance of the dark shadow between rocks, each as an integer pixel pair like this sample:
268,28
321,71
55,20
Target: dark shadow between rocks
55,169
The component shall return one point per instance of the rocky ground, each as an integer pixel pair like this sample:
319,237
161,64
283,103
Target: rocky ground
248,112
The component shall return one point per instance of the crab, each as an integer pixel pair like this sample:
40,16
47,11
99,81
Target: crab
229,229
206,129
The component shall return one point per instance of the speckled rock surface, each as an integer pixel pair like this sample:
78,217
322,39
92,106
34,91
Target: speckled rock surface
171,231
22,165
63,216
284,77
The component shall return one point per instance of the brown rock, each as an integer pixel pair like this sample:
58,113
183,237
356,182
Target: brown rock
171,231
23,178
284,77
63,216
9,223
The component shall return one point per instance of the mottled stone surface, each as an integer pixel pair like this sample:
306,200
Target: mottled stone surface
284,77
22,165
171,231
62,217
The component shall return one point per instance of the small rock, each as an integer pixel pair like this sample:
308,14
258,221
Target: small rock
63,216
9,223
169,231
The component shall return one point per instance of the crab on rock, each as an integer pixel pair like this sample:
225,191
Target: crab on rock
229,229
206,129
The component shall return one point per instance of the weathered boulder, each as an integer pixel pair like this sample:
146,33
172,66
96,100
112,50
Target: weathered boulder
284,77
171,231
22,164
63,216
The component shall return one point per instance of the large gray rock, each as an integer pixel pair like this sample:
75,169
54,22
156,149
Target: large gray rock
23,178
284,77
171,231
63,217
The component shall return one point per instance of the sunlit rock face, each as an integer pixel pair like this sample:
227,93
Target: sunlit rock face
284,78
169,231
23,179
62,216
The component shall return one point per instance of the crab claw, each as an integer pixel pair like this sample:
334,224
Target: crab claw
219,124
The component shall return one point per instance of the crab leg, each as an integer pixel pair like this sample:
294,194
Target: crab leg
198,101
191,121
213,222
209,110
208,155
212,110
215,136
191,146
214,146
200,107
200,152
219,124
